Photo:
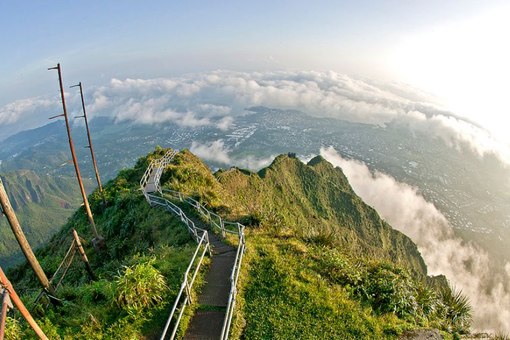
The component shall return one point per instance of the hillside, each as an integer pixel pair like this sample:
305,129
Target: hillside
316,246
42,202
318,261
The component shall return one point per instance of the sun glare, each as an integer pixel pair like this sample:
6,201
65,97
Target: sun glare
465,64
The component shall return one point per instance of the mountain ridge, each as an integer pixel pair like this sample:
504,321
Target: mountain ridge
42,203
305,266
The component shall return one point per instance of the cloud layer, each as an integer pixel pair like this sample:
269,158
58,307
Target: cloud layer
217,152
467,266
215,98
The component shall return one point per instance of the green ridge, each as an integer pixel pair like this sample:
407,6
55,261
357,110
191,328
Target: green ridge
42,203
319,261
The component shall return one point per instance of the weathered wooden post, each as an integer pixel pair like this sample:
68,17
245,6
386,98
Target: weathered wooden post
19,304
3,313
83,255
22,240
98,241
92,154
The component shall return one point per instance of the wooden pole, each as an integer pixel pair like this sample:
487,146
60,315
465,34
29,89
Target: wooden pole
83,255
21,307
22,240
75,160
3,313
96,170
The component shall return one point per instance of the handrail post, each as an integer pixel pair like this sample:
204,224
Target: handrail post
83,255
222,223
188,289
208,244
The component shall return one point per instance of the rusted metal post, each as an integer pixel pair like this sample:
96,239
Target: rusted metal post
83,255
3,313
22,240
96,170
98,239
19,304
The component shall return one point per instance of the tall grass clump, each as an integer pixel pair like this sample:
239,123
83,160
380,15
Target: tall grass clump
139,287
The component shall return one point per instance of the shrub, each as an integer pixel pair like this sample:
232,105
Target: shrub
125,328
49,329
98,292
455,311
13,329
140,286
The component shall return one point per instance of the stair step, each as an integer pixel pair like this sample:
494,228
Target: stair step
215,292
205,325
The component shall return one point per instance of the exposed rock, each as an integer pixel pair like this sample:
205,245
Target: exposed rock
477,336
421,334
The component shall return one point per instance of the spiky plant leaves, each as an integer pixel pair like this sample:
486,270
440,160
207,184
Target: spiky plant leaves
139,287
455,310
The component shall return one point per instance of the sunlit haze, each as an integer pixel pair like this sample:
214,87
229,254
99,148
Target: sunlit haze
465,63
455,50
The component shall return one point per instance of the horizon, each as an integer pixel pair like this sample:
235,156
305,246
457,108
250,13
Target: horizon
453,52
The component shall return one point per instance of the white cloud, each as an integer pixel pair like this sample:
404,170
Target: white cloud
214,151
216,98
253,163
467,266
222,94
12,112
225,123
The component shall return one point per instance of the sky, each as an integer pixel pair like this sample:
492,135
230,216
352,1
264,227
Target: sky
454,50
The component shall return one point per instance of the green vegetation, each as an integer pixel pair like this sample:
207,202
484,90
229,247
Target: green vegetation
139,274
319,261
42,203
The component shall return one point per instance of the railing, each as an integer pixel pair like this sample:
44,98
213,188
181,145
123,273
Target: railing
233,284
157,166
203,243
171,207
186,286
217,222
164,161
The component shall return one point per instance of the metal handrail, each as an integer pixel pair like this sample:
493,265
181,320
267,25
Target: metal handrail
186,286
207,214
159,165
234,277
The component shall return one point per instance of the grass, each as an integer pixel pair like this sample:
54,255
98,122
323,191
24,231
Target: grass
284,297
139,273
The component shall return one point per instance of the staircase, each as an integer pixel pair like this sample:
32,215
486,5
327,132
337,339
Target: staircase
208,320
216,302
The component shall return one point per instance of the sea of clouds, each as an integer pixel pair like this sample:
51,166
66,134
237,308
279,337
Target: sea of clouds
216,98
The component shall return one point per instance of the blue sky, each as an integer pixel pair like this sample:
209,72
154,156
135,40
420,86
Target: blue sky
389,40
